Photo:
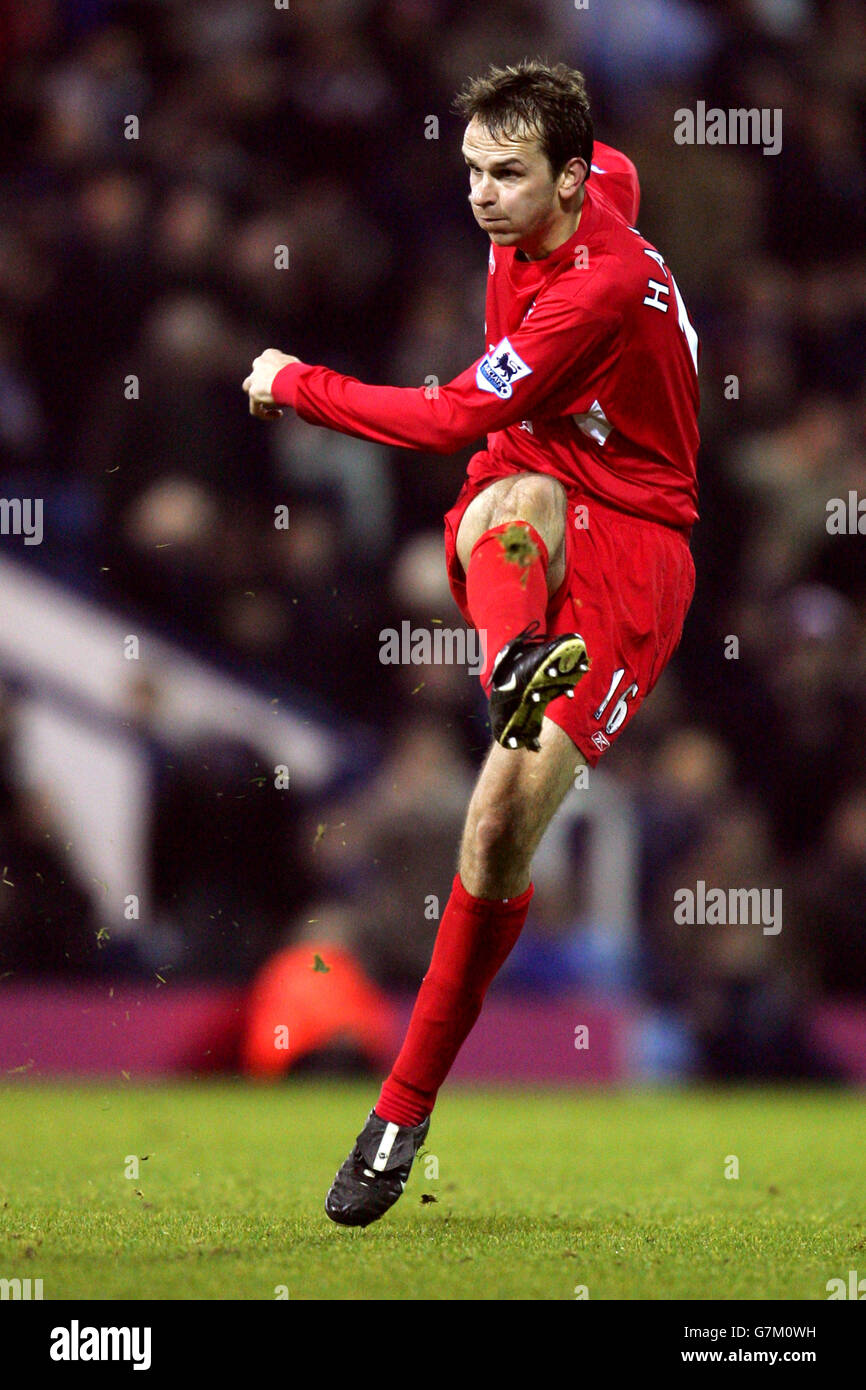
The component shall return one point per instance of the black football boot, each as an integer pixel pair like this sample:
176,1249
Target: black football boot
376,1171
527,674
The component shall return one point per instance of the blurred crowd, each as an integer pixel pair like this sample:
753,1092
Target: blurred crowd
156,155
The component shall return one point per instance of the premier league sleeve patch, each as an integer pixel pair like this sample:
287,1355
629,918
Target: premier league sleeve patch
498,371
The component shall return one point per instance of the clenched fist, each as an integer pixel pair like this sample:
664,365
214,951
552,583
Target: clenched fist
260,380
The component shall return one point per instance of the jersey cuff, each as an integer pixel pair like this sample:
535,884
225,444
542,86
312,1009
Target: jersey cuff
284,383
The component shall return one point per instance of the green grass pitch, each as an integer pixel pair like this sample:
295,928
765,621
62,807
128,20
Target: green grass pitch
537,1194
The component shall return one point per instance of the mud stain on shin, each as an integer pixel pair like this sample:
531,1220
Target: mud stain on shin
519,548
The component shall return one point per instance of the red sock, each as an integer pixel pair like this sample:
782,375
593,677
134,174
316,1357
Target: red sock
506,585
475,936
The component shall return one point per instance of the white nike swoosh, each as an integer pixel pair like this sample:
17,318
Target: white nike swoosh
509,684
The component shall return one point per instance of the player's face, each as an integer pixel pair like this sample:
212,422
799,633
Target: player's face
513,193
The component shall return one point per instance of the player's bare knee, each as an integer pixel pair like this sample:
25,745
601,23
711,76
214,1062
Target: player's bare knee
530,497
490,831
538,499
495,836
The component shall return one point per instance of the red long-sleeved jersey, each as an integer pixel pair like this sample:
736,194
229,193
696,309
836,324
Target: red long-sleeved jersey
590,373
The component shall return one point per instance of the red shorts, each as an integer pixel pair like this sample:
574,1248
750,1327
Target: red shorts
627,588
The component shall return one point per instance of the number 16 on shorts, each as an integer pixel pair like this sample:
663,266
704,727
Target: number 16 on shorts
620,710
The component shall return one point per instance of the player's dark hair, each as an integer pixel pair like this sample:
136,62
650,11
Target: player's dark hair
533,98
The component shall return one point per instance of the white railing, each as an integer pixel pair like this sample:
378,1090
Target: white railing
77,739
